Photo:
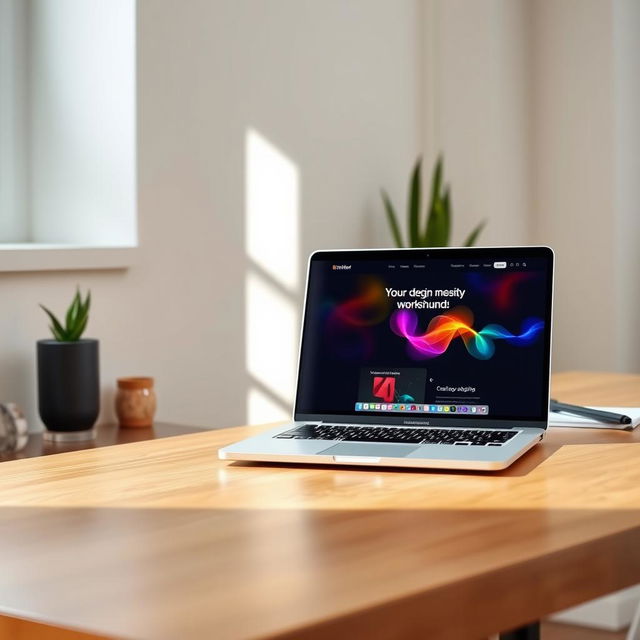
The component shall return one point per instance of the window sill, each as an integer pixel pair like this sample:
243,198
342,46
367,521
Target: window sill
59,257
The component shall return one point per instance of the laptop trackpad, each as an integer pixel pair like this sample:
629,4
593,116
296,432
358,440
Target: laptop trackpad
369,449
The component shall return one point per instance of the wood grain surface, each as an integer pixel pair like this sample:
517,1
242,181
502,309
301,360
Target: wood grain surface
160,539
107,435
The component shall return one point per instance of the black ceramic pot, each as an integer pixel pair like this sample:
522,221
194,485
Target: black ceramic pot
68,384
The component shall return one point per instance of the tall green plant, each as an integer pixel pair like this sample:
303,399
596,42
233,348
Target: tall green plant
75,321
436,229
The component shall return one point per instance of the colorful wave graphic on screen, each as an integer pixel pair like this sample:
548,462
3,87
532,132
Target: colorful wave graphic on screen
458,323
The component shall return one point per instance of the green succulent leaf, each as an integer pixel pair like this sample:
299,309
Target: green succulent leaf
392,219
473,236
437,226
58,330
76,319
72,312
79,329
57,336
436,182
439,215
80,324
413,211
436,233
446,222
85,307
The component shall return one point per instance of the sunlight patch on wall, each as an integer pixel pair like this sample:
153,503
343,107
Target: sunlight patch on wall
272,219
261,408
272,209
271,337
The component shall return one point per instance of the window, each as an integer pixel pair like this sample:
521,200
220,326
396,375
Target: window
67,126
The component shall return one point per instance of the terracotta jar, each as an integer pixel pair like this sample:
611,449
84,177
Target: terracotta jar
135,402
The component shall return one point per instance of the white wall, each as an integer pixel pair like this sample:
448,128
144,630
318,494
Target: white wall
476,106
626,42
573,178
586,144
332,86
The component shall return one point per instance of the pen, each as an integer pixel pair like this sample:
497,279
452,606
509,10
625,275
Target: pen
585,412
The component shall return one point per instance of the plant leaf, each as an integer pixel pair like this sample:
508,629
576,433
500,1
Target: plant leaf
428,238
436,233
59,329
72,312
393,219
56,335
80,324
436,182
437,226
473,236
86,306
79,329
413,209
446,222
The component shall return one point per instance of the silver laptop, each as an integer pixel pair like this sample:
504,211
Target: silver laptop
428,358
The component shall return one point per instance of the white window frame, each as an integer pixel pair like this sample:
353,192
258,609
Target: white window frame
25,225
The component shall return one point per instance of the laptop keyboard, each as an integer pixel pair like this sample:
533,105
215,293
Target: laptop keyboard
422,435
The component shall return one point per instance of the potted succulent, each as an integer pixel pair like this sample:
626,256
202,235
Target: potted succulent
68,375
437,226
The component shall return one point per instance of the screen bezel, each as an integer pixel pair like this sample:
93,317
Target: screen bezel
493,253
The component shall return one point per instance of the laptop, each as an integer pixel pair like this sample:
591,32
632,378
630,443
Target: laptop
419,358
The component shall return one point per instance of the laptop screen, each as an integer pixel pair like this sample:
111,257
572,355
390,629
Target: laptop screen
427,335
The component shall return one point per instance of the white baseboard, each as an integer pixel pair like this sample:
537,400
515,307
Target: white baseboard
612,613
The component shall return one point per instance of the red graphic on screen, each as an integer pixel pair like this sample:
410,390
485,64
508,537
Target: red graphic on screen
502,289
384,387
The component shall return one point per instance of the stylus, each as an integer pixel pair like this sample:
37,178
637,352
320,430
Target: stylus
585,412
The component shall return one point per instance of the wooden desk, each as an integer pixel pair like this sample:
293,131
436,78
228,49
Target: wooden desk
159,539
107,435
